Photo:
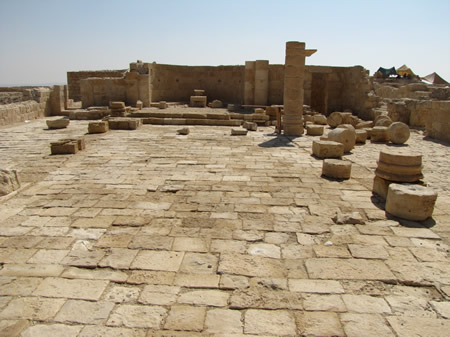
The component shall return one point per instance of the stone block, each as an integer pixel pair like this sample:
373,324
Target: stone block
346,117
250,126
98,127
64,147
361,136
139,105
410,201
117,105
334,119
320,119
335,168
346,137
238,132
398,132
216,104
259,111
163,105
314,130
198,101
123,123
9,181
199,92
57,123
327,149
183,131
380,186
378,134
364,125
383,121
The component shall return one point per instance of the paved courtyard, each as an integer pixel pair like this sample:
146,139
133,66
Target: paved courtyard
149,233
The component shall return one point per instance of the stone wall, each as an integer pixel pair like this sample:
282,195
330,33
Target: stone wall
74,78
335,88
27,110
98,91
177,83
438,121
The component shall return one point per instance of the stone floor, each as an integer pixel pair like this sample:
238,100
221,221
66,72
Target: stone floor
148,233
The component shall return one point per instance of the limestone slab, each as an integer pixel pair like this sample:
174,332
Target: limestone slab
76,289
158,260
186,318
240,264
224,321
315,286
137,316
43,330
84,312
352,269
268,321
214,298
32,308
419,327
365,325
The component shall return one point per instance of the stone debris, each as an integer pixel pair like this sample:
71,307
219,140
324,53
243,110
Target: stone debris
410,201
139,104
250,126
320,119
124,123
238,132
314,130
344,136
118,109
183,131
215,104
162,105
334,119
9,181
398,132
327,149
378,134
353,218
68,146
98,127
57,123
337,169
361,136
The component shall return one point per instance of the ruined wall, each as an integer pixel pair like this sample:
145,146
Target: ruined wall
100,91
37,106
74,78
438,121
177,83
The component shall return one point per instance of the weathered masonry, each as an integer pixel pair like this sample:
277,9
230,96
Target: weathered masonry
325,88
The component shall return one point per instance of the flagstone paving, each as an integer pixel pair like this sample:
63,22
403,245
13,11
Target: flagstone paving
150,233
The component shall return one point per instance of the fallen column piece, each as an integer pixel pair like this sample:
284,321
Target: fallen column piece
327,149
335,168
344,136
398,133
410,201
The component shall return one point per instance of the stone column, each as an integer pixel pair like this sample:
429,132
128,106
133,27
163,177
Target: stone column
294,70
261,82
249,83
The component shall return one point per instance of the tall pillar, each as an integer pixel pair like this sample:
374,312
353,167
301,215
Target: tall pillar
294,73
249,83
261,82
294,70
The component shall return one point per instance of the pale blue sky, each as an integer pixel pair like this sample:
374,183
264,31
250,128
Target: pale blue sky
42,40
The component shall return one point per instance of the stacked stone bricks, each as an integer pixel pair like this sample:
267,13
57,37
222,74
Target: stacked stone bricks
117,109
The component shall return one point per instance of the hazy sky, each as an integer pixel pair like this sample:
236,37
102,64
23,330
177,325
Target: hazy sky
42,40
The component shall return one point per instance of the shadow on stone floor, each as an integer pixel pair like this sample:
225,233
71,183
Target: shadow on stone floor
277,141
